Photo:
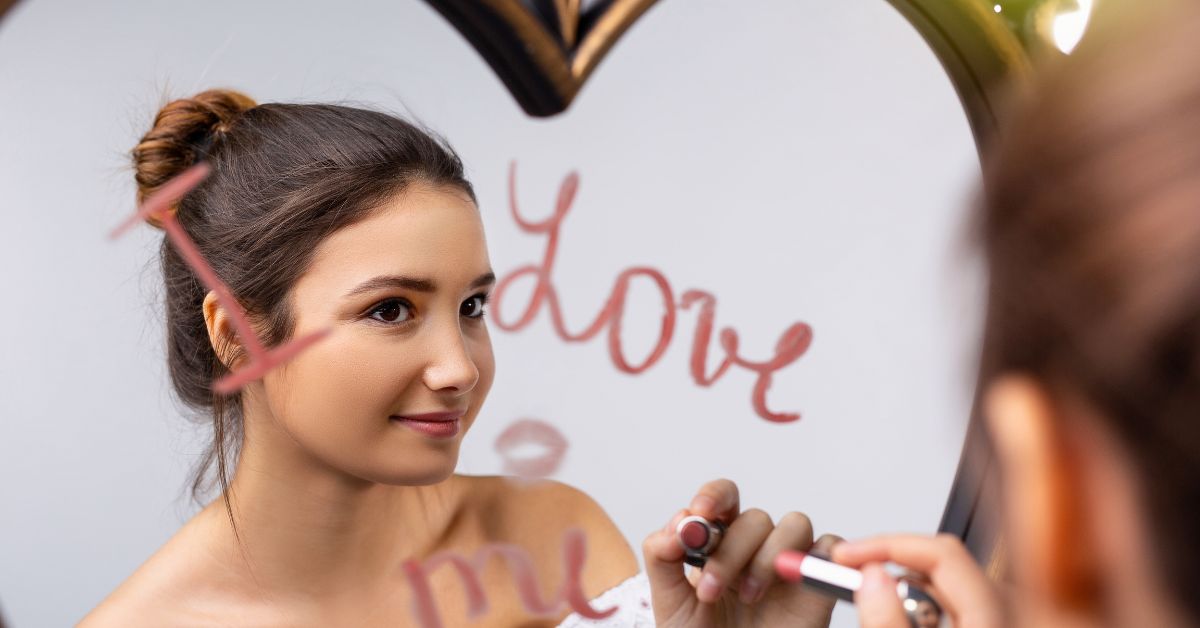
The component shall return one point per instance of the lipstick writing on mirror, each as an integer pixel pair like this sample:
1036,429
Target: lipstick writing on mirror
699,538
841,581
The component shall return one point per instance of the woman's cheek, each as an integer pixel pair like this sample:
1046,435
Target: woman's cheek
365,375
485,362
338,381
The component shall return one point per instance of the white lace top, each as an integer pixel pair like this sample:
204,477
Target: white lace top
632,599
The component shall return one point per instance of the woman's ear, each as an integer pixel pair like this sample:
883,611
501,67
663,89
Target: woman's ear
1043,504
220,330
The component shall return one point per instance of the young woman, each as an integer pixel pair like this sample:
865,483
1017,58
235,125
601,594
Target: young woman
1091,230
337,469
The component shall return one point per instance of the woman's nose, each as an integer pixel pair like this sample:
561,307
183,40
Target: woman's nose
451,367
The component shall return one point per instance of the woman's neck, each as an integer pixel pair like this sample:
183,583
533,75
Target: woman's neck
310,530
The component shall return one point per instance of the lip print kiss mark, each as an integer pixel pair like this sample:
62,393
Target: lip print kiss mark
158,207
517,440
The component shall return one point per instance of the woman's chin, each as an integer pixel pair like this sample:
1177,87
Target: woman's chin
425,475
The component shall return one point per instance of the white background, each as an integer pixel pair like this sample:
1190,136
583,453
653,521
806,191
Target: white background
803,161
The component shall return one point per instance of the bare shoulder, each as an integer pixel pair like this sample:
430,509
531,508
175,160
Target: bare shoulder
176,586
537,516
142,598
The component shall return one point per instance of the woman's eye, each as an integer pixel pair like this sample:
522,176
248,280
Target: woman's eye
391,311
473,307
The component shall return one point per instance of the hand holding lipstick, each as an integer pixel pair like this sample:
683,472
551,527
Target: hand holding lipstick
968,597
737,585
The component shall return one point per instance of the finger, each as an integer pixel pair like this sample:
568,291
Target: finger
806,601
793,532
738,546
959,582
693,575
669,587
878,604
673,525
717,500
824,545
915,551
669,557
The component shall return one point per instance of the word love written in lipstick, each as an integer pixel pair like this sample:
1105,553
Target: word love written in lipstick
158,206
792,343
574,553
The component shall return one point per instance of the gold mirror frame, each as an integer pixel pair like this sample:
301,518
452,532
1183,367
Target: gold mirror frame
544,51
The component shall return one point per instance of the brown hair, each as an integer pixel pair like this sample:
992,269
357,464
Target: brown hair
1091,230
284,177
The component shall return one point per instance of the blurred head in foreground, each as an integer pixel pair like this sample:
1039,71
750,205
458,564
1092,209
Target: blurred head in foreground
1091,230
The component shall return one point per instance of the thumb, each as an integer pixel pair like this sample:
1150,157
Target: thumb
670,589
878,604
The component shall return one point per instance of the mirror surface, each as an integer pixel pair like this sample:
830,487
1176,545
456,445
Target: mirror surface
801,162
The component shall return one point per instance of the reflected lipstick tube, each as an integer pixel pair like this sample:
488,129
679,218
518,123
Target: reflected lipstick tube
699,538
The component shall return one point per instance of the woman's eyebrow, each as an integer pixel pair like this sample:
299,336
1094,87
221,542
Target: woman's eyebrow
417,284
485,279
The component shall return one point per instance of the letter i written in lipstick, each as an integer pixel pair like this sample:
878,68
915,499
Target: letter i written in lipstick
699,538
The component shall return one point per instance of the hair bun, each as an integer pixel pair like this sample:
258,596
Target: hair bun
182,130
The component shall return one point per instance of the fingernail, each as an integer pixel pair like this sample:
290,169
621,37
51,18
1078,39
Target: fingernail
709,588
703,504
750,589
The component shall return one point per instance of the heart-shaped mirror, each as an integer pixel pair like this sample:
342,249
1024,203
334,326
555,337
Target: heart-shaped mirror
728,239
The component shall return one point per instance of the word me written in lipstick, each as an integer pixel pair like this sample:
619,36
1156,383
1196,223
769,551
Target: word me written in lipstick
574,548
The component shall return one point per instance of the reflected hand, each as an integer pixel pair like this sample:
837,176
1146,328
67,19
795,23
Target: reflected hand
960,586
738,585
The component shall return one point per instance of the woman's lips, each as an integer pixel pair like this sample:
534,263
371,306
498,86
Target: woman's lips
531,432
432,416
436,424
